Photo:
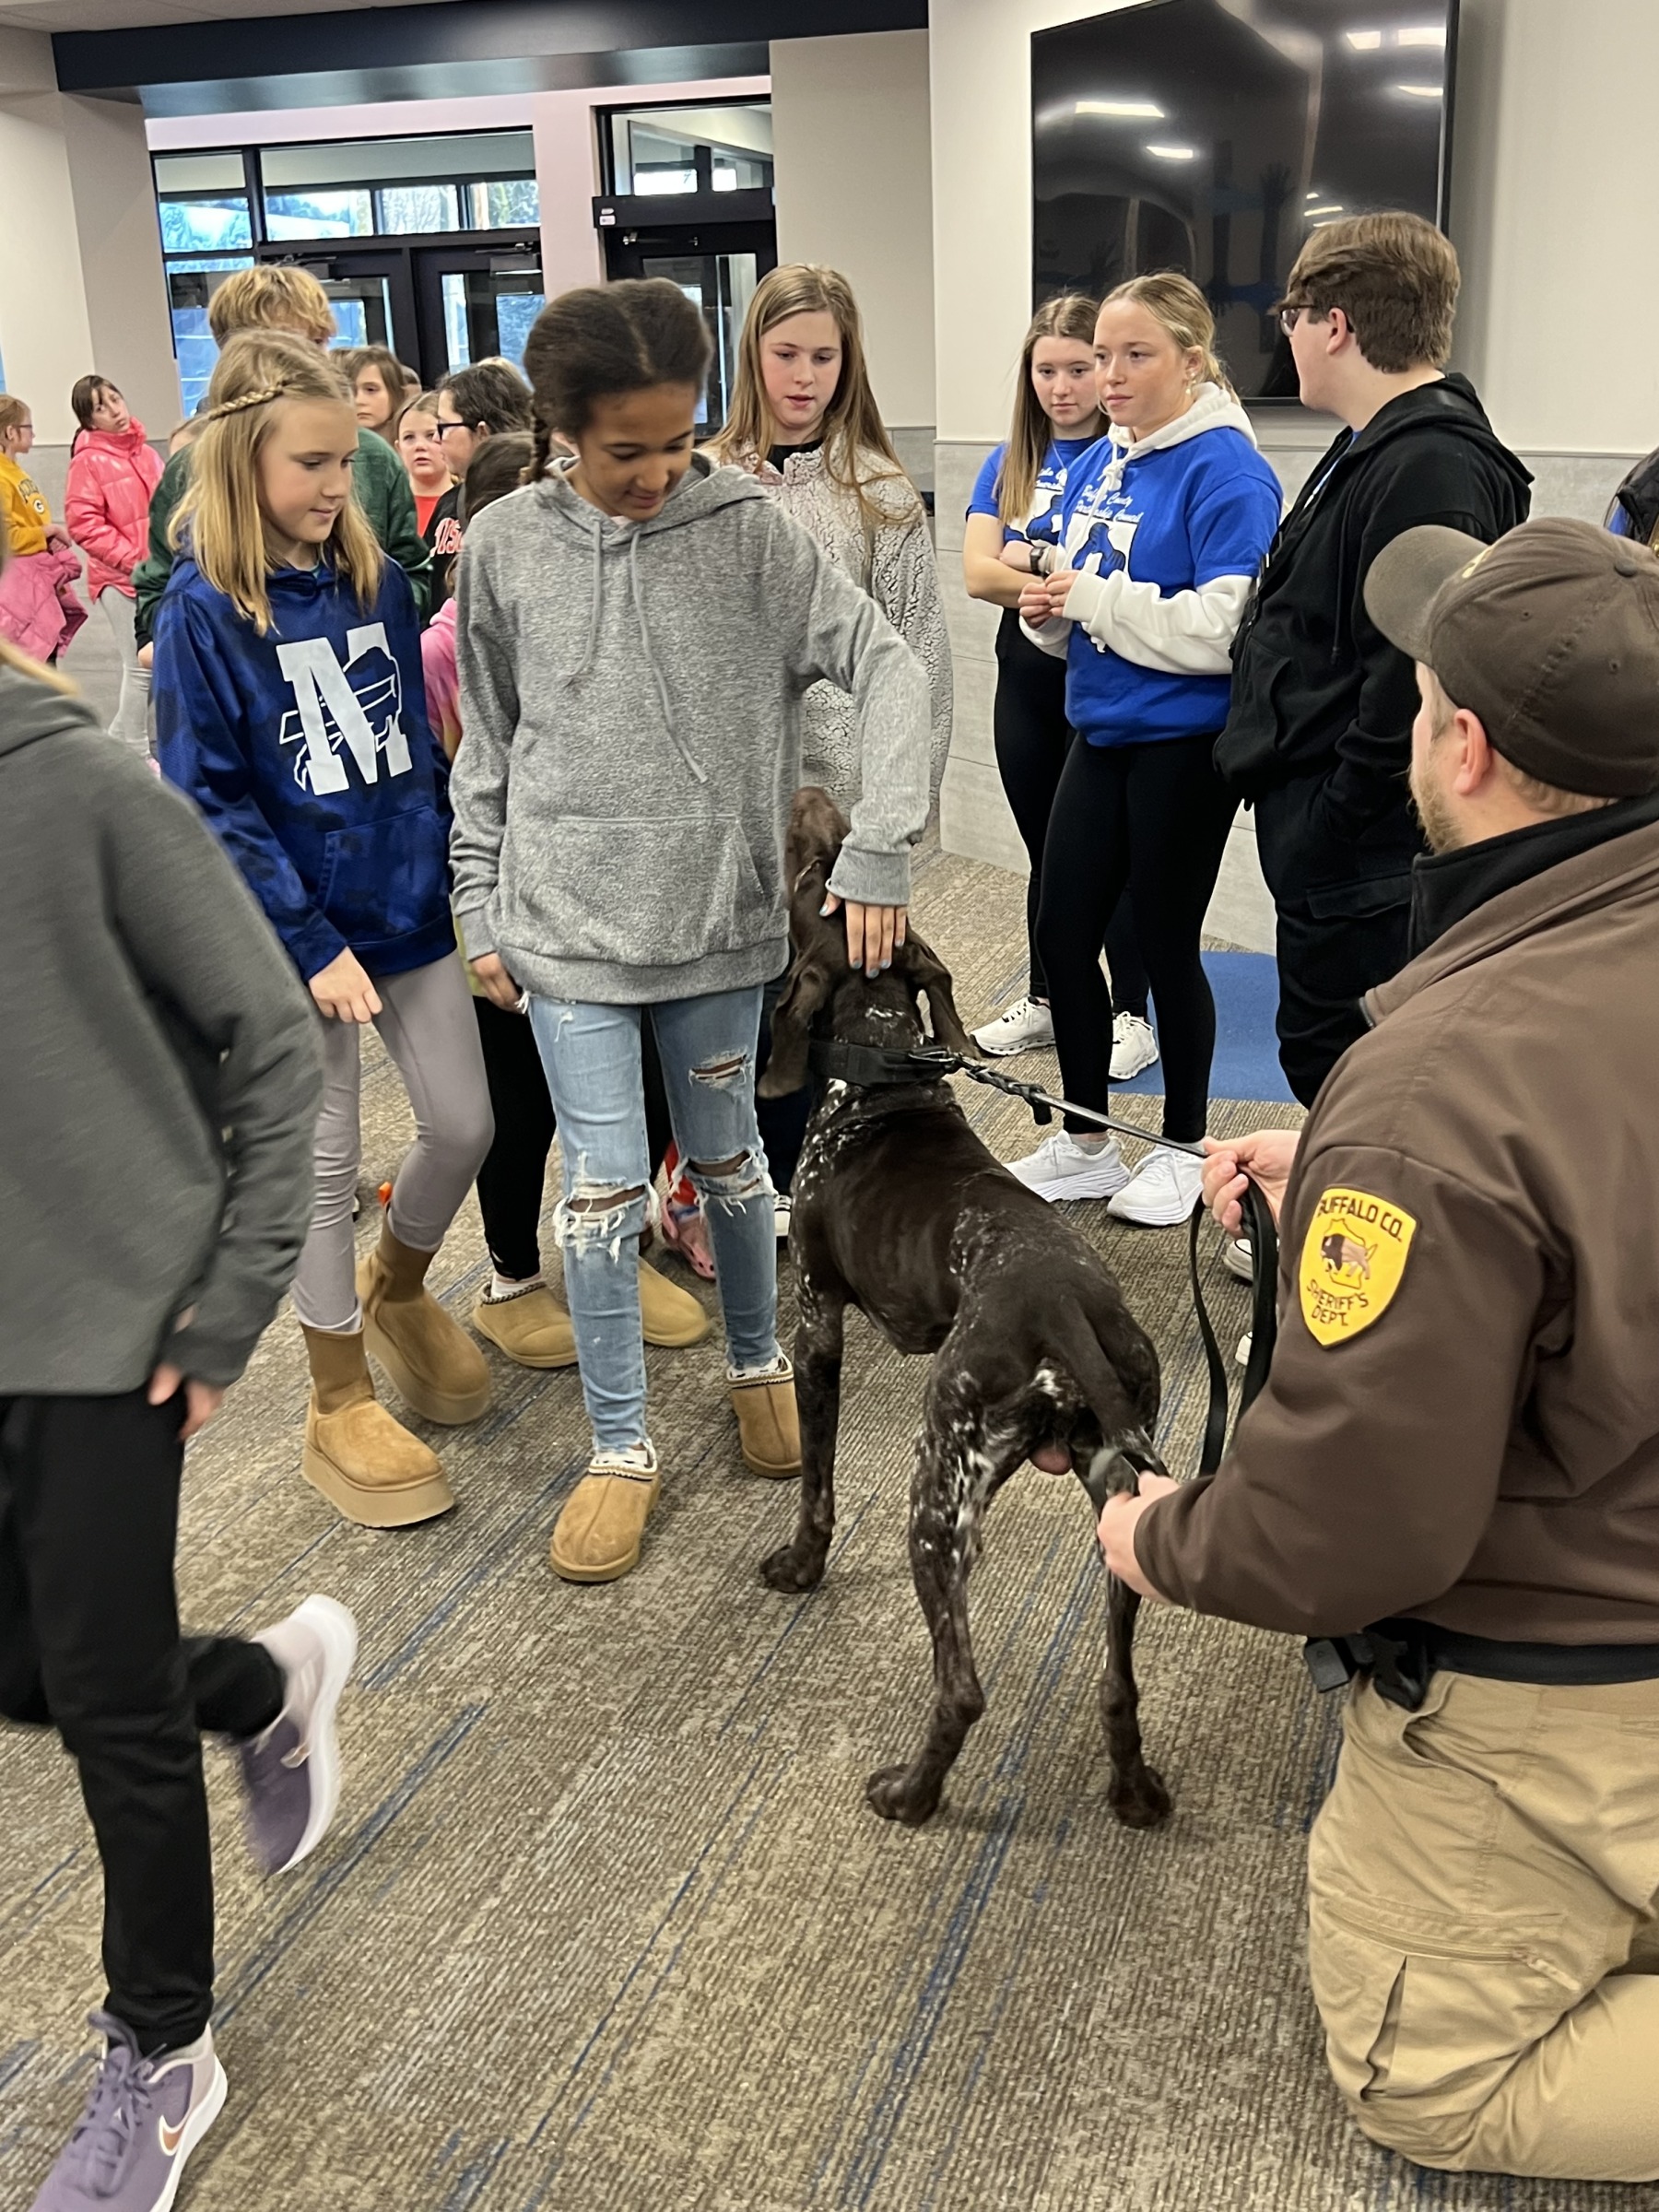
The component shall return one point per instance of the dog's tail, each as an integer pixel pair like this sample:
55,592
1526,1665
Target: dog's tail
1120,1385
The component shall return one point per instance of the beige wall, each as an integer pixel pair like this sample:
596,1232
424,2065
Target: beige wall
121,256
1554,212
854,188
45,341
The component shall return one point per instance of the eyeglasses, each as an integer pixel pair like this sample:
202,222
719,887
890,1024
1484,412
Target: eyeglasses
1288,315
445,428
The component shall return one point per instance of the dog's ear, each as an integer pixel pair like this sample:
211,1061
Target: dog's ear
804,994
923,968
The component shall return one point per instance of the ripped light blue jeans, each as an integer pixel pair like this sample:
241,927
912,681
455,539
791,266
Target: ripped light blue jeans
592,1056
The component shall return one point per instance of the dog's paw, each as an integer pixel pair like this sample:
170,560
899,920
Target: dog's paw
1140,1800
894,1793
791,1568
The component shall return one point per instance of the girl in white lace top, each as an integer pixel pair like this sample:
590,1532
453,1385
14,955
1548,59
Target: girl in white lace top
805,422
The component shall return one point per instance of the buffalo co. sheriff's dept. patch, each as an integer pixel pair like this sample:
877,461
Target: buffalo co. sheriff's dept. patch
1352,1259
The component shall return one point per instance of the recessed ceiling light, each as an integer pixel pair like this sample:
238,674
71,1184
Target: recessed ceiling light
1145,109
1421,34
1174,153
1419,91
1333,208
1363,41
1312,195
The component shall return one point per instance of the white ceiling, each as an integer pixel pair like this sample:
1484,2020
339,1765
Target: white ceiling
132,15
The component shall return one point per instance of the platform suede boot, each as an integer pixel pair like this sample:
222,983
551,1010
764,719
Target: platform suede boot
365,1463
769,1428
433,1363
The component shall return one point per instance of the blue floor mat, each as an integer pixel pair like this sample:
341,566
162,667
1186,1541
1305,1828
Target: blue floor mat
1246,1064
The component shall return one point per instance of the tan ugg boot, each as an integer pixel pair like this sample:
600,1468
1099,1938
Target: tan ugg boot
364,1463
433,1363
769,1428
669,1315
597,1536
531,1326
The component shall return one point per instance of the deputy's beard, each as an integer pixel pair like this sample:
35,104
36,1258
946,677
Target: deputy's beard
1436,816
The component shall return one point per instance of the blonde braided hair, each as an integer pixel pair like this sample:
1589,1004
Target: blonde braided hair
229,537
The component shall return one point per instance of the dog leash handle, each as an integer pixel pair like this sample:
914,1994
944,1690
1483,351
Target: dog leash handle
1260,1228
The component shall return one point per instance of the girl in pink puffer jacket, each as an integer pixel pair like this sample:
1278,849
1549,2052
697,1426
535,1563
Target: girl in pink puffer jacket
113,473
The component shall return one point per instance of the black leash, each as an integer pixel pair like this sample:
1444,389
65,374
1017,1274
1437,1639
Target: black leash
876,1068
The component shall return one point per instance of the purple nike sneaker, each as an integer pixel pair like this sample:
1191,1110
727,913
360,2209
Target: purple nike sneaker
291,1774
143,2118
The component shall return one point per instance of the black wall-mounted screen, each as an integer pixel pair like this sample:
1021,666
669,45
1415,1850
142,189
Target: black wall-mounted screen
1210,136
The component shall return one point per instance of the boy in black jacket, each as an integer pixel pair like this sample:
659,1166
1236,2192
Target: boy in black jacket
1319,732
161,1085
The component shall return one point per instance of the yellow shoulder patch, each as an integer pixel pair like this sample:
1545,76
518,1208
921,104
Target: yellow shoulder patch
1352,1260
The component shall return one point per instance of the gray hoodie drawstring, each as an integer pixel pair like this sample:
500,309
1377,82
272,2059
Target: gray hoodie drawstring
595,612
664,694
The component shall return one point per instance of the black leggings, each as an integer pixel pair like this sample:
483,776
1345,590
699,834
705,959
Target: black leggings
1154,817
1032,740
512,1180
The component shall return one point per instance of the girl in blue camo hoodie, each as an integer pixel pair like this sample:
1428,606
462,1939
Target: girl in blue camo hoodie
290,707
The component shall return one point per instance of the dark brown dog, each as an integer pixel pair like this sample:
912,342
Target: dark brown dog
900,1211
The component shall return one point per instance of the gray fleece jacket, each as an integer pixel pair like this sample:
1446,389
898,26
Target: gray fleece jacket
631,698
161,1080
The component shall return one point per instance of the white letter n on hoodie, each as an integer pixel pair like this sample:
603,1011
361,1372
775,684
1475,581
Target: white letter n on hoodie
312,667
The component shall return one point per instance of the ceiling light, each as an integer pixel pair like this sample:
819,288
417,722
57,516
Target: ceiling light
1363,41
1312,195
1333,208
1143,109
1173,153
1420,92
1421,34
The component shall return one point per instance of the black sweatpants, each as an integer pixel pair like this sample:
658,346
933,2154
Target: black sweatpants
89,1645
1343,920
1154,817
1032,739
512,1180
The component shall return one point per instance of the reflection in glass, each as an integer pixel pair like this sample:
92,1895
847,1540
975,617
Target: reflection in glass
1205,136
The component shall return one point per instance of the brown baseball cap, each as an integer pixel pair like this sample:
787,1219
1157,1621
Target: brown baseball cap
1551,636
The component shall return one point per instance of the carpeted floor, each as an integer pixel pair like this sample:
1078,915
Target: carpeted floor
605,1922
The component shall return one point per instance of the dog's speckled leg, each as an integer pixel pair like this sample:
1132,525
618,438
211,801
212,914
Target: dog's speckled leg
953,1476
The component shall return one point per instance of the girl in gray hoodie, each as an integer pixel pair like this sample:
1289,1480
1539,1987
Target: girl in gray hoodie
637,630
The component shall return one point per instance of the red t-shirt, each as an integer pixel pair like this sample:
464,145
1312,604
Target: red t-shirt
424,504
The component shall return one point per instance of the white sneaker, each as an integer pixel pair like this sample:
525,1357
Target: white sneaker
1021,1028
1061,1167
1242,1350
1239,1258
1162,1191
1134,1046
783,1212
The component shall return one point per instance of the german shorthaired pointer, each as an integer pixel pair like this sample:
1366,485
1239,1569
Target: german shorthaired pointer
901,1211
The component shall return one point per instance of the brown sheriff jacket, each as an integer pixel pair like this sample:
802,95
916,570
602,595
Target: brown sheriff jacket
1462,1419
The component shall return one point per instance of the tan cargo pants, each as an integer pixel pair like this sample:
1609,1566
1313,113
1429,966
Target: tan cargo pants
1483,1941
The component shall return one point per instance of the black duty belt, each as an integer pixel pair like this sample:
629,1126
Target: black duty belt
1402,1656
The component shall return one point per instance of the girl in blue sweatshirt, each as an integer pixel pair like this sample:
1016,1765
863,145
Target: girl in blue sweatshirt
1164,525
1014,518
290,707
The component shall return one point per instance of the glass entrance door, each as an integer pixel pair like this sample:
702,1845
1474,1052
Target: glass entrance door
372,299
717,267
476,305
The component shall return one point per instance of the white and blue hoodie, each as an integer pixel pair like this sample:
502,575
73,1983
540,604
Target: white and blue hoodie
1166,535
309,754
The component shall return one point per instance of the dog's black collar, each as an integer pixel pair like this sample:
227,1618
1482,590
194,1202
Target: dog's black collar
876,1066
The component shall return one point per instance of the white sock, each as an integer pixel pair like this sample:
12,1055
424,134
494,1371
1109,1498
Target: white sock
502,1285
1092,1143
